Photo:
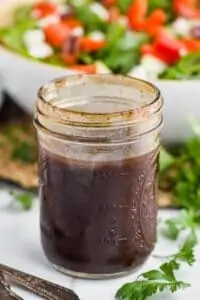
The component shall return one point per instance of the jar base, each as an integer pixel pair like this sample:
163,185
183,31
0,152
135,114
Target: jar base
82,275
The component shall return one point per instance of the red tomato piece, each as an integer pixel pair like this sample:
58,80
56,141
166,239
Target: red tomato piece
168,50
88,69
137,13
56,34
186,8
44,9
191,45
72,23
90,45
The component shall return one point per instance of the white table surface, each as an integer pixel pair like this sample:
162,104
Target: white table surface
20,248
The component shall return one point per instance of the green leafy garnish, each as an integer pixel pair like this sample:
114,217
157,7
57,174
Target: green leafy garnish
166,159
122,51
163,278
24,199
186,219
89,19
187,68
12,37
124,5
182,175
25,151
22,13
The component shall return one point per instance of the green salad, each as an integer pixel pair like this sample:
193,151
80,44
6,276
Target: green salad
149,39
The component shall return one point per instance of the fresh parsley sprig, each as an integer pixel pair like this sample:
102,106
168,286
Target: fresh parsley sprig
163,278
187,219
181,173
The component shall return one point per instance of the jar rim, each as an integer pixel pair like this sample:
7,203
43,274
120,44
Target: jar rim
79,117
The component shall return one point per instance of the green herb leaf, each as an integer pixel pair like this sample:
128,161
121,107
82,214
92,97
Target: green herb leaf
155,281
141,290
24,199
122,51
12,37
25,152
166,159
174,226
22,13
186,253
90,20
187,68
124,5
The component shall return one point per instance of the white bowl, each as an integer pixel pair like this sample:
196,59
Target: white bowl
22,78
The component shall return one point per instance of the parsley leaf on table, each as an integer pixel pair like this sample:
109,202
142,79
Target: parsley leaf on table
25,199
163,278
153,281
186,219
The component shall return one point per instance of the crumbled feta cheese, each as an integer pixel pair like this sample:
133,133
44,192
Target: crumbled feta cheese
52,19
77,31
100,10
97,36
102,68
181,27
33,37
41,50
152,64
139,72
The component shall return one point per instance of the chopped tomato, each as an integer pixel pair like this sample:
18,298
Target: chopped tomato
90,45
69,59
44,9
72,23
114,14
136,14
89,69
56,34
191,45
157,17
155,22
186,8
147,49
168,50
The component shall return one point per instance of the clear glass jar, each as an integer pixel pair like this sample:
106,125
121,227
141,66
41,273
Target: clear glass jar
98,159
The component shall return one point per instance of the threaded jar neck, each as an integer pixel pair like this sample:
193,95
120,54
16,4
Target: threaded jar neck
104,108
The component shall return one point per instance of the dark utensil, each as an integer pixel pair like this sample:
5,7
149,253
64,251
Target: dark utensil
43,288
5,291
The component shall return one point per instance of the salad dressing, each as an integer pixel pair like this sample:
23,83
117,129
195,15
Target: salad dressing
98,163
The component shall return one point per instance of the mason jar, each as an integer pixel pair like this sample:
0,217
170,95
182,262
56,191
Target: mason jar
98,141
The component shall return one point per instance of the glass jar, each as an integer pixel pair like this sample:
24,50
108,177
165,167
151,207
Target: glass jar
98,160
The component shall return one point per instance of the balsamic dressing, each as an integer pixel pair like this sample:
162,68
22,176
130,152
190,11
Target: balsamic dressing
98,217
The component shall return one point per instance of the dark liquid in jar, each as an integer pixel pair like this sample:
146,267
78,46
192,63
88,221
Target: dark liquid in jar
100,217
